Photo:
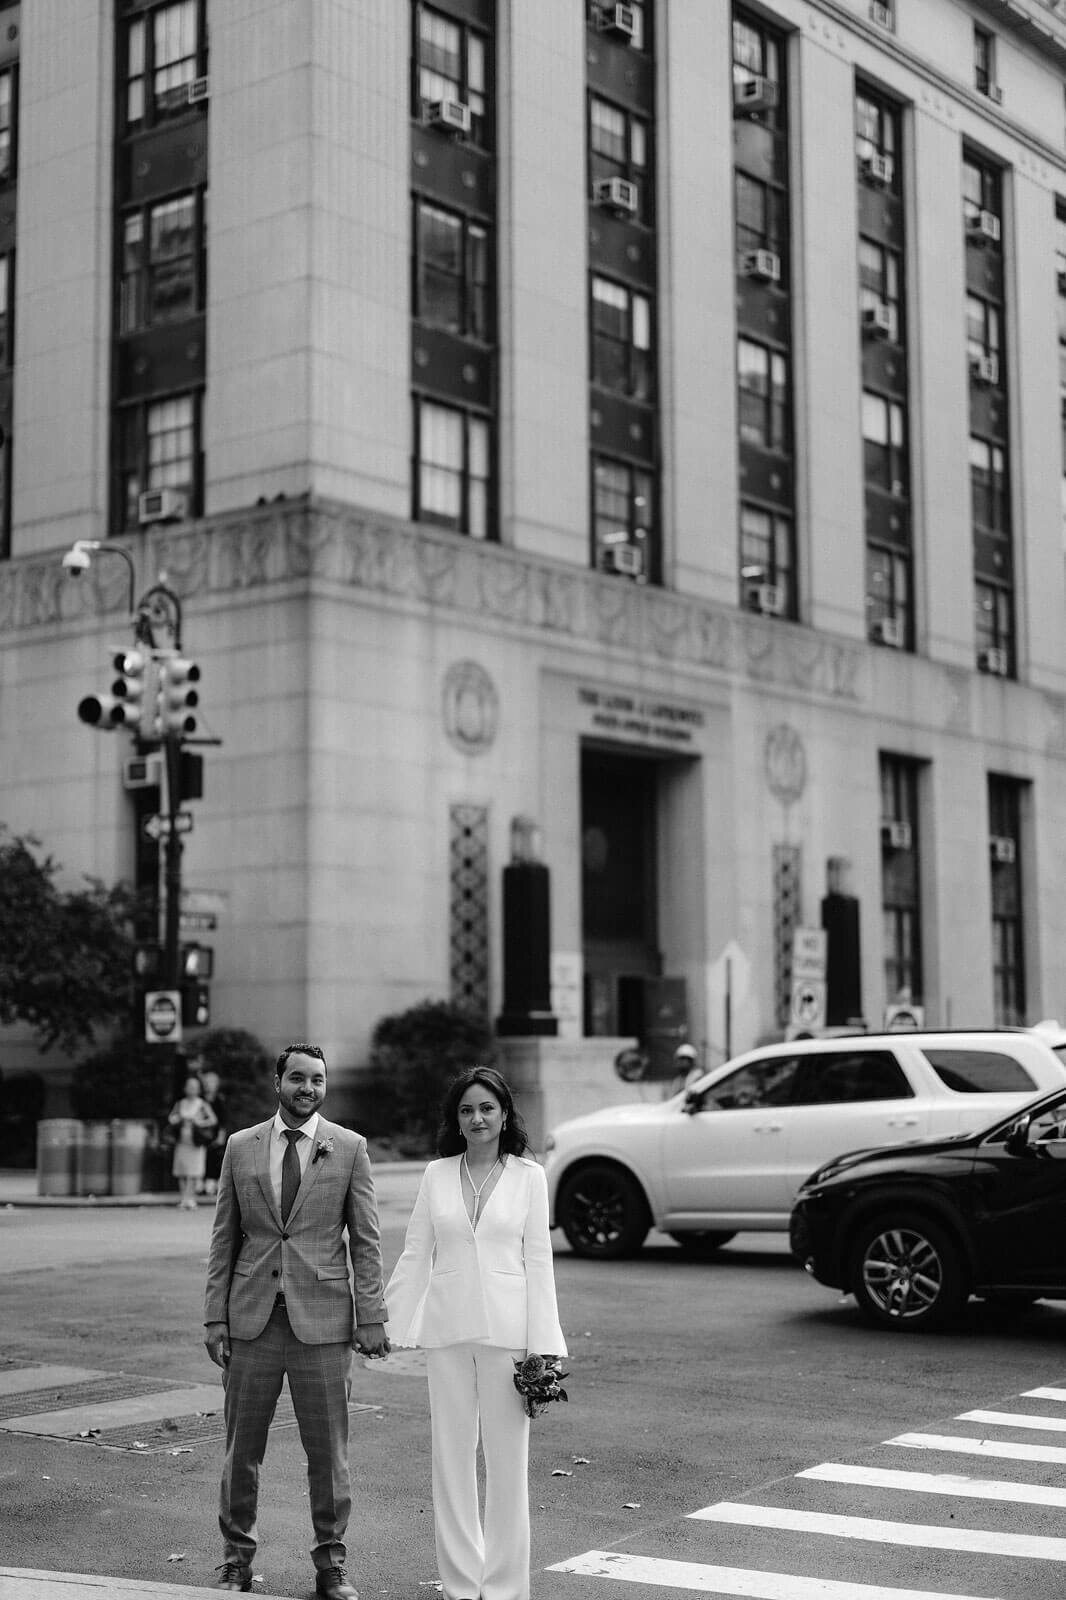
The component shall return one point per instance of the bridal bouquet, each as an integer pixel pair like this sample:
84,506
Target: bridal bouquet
538,1381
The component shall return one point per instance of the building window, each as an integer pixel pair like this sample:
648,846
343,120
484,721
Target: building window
988,486
756,52
162,256
8,102
160,449
451,274
623,518
982,329
762,216
900,888
766,555
762,380
884,438
452,477
981,199
619,148
163,56
888,595
1008,943
879,284
621,339
451,62
876,140
994,624
7,309
984,61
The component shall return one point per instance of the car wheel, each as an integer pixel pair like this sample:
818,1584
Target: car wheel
702,1244
603,1212
907,1272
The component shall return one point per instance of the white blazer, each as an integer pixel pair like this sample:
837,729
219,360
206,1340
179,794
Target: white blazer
492,1285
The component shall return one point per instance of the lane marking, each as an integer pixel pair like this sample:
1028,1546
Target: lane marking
915,1535
948,1483
1044,1394
1014,1419
734,1580
981,1447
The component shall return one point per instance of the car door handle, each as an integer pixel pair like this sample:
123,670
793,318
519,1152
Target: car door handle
902,1122
768,1127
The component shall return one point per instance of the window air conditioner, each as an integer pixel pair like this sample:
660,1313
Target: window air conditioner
197,91
888,630
765,265
882,15
985,370
992,660
616,194
452,115
878,321
754,94
879,169
995,94
161,505
142,772
627,559
1002,848
767,598
983,226
896,835
617,20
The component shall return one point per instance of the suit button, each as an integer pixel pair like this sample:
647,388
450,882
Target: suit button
275,1274
284,1236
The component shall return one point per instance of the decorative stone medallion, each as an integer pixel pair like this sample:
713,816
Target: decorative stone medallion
471,708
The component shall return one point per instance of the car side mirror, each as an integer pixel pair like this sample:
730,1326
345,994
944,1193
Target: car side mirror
1017,1140
692,1102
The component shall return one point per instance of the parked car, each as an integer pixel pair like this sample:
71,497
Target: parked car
731,1150
915,1230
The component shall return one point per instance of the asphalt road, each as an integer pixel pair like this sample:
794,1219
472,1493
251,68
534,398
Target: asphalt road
692,1385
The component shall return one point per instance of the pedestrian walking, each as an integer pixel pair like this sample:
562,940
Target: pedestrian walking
295,1203
475,1288
193,1125
213,1159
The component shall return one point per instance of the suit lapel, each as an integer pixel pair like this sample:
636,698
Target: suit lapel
262,1168
312,1170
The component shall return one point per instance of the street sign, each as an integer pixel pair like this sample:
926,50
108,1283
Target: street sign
809,952
162,1016
808,1003
215,901
198,922
158,827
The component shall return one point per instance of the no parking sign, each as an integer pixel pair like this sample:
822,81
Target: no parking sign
162,1016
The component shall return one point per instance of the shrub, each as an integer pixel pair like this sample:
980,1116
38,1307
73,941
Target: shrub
122,1079
245,1070
414,1055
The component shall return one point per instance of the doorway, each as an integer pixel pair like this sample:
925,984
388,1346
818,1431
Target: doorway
619,889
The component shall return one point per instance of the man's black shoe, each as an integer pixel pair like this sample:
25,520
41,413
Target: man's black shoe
234,1575
332,1584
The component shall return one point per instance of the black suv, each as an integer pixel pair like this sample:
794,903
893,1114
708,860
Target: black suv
913,1230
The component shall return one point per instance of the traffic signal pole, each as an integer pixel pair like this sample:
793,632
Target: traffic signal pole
172,851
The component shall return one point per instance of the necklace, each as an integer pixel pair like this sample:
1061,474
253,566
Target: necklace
477,1187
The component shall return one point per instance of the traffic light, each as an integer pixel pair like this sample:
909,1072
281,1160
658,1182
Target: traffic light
176,699
197,961
130,688
195,1004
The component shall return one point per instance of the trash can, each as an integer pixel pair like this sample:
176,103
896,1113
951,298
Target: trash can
57,1144
129,1148
93,1170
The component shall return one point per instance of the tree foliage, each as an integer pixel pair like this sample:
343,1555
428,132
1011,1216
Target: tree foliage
65,954
414,1055
129,1078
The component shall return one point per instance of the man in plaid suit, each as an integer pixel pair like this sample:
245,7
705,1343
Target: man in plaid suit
295,1202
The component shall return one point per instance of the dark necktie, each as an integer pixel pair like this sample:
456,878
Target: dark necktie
290,1172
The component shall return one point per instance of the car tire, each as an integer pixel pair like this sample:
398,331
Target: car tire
907,1272
702,1244
602,1210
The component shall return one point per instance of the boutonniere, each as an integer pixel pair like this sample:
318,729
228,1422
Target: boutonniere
323,1147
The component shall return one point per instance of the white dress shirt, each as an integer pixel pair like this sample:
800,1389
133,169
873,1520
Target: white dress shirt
278,1141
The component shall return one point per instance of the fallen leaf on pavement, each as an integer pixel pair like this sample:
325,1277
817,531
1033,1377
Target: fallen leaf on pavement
557,1472
581,1461
631,1505
180,1557
182,1450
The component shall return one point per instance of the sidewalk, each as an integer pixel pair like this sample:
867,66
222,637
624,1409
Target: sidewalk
21,1583
18,1187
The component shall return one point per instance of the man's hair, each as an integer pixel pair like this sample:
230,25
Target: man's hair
297,1050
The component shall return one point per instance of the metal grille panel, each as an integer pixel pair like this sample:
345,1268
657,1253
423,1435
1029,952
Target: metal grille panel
787,863
469,908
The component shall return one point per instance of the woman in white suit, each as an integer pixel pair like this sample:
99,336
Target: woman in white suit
475,1288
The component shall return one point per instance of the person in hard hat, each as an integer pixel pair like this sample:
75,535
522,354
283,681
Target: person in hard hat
688,1066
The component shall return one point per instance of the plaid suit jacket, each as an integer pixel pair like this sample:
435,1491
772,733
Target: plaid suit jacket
334,1220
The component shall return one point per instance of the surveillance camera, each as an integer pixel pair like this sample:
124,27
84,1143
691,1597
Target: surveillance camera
77,561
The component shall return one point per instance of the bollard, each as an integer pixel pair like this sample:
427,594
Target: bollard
129,1147
57,1144
94,1159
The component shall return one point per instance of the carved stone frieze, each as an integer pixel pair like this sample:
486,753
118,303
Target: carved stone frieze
325,542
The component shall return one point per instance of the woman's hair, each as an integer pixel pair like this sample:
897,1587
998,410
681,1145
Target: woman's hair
451,1142
192,1077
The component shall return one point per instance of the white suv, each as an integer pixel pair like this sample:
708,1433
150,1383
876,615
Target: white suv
731,1151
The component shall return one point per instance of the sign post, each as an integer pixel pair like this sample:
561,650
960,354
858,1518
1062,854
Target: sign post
809,947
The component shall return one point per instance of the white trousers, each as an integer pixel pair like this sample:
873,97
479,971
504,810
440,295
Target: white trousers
470,1388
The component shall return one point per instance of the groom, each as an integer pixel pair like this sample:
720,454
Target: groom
278,1304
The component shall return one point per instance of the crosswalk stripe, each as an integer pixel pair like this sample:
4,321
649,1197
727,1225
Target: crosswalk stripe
1015,1419
981,1447
1044,1394
937,1483
916,1535
750,1585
